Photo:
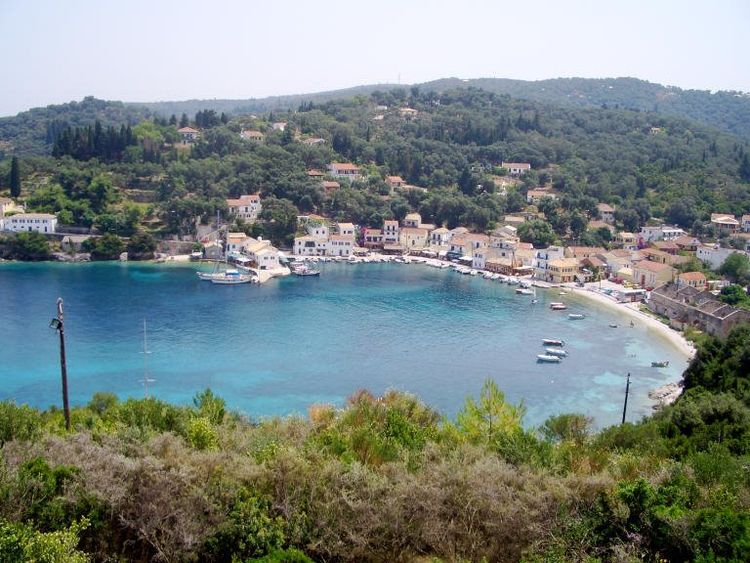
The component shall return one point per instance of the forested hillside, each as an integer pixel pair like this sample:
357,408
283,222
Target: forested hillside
33,132
647,164
383,479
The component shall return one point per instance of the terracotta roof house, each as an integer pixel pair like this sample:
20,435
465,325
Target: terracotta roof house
693,279
516,168
344,170
649,274
250,135
725,224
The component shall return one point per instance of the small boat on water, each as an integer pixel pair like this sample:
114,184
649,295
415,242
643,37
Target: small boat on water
563,293
548,359
662,364
553,342
613,325
576,316
524,291
231,277
558,306
556,352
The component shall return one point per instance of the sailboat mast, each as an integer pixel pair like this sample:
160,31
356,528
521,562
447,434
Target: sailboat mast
145,358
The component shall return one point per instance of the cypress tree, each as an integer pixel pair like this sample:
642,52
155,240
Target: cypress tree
745,168
15,178
184,121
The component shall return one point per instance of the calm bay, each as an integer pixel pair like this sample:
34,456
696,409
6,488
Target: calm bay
276,348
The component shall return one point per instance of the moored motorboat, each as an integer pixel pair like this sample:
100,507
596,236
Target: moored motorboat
662,364
524,291
552,342
558,306
548,359
576,316
556,352
231,277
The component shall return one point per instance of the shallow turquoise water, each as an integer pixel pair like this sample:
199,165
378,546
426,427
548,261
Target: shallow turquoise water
279,347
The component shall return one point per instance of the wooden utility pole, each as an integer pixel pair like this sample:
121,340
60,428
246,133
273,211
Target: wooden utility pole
625,407
59,325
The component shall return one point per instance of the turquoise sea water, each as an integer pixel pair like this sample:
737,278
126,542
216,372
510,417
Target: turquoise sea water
279,347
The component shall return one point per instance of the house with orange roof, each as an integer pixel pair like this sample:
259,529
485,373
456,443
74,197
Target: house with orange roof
725,224
344,170
313,173
252,135
413,238
395,181
330,185
246,207
626,240
650,274
372,238
693,279
188,135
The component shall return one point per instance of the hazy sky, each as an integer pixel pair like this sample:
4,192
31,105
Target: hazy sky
135,50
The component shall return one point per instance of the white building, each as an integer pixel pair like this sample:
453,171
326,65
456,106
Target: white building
236,242
413,220
660,232
745,223
339,245
543,257
440,236
30,222
318,230
251,135
516,168
714,255
267,258
390,232
345,229
310,246
246,207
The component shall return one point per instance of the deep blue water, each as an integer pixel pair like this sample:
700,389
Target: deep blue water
279,347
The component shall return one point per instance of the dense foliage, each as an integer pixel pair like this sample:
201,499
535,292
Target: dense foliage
385,478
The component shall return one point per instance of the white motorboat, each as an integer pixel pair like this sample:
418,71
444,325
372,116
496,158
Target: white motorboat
576,316
548,359
553,342
558,306
556,352
232,277
524,291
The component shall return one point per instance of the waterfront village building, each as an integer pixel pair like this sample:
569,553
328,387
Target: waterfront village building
390,232
660,232
502,234
440,237
249,135
465,244
30,222
246,207
340,245
687,306
188,135
649,274
693,279
564,270
235,242
581,252
745,224
261,253
345,229
687,243
310,246
724,224
413,238
606,212
714,255
344,170
626,240
542,259
372,238
413,220
516,168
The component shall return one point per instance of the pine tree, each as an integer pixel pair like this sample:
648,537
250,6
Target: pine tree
173,120
745,168
184,121
15,178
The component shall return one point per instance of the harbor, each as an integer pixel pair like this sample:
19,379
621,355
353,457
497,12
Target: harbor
278,347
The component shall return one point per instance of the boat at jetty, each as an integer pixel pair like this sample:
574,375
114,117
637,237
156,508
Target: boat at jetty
300,269
576,316
553,342
232,277
556,352
548,359
662,364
